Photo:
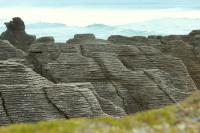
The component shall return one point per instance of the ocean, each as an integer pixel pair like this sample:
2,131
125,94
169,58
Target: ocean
64,19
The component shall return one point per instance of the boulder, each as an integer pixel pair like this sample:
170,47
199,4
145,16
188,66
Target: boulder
47,39
95,41
154,37
16,34
118,39
81,37
194,32
140,39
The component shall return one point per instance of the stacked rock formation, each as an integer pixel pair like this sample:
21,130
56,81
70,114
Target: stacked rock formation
16,34
89,77
184,47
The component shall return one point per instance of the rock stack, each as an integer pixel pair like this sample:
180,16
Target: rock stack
16,34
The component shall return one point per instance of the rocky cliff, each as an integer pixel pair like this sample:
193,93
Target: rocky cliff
88,77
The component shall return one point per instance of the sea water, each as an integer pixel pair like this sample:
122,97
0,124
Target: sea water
103,18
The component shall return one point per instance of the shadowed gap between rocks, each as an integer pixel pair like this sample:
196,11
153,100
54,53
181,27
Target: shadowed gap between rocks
5,109
54,105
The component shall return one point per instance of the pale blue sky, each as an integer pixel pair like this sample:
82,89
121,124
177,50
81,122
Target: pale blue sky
192,4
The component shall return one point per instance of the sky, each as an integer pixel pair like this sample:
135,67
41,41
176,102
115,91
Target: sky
104,3
86,12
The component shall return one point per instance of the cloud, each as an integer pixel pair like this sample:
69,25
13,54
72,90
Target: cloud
83,17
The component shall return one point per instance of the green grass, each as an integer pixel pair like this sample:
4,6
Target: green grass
172,119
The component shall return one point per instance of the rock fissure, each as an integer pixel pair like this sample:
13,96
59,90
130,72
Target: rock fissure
112,82
54,105
98,98
91,107
5,108
119,95
81,50
160,87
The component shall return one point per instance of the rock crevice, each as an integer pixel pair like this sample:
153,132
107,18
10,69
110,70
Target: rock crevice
54,105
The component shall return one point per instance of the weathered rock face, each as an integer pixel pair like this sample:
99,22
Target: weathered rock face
90,77
90,80
21,91
16,34
8,51
185,47
123,76
27,97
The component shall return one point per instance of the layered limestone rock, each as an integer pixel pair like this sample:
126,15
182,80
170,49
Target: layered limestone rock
185,47
16,34
89,77
21,89
74,100
27,97
123,76
8,51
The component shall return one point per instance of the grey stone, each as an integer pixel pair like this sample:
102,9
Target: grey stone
25,96
166,39
194,32
16,34
47,39
125,72
8,51
81,37
75,99
89,77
